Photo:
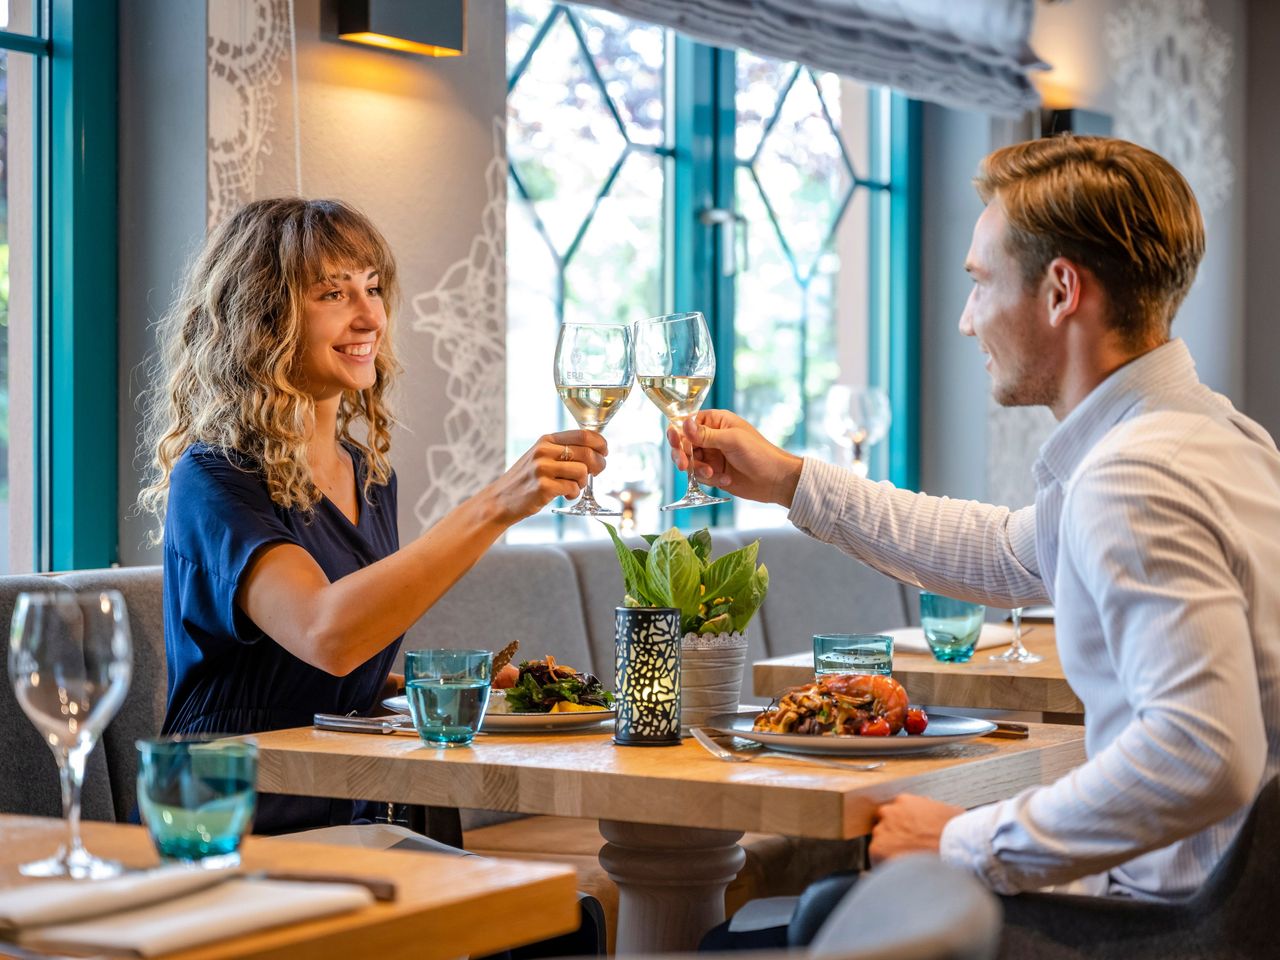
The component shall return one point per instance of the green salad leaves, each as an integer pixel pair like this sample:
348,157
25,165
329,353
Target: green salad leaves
713,596
544,683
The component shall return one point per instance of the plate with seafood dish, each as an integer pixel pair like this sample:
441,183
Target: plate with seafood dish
538,696
850,715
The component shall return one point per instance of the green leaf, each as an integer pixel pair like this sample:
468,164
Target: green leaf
633,575
720,624
649,538
641,555
730,575
701,543
745,606
674,572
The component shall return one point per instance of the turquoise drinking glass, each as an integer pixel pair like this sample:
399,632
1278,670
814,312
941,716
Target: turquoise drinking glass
448,693
951,626
852,653
197,796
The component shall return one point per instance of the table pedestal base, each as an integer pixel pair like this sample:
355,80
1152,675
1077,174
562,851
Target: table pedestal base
671,882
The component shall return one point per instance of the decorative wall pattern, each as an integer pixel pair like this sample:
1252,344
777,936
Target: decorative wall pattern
465,314
1170,65
248,46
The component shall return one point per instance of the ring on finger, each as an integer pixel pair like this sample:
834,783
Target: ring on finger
565,454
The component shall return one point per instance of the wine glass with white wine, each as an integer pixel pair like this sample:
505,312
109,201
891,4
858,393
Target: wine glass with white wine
858,418
70,661
594,371
676,364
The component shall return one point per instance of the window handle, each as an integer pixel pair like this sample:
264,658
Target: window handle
733,241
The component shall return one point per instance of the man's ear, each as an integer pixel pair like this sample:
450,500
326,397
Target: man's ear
1062,289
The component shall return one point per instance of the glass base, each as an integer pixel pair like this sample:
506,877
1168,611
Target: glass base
695,499
1017,655
80,865
586,506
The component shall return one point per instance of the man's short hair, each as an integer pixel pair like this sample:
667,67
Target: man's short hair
1110,206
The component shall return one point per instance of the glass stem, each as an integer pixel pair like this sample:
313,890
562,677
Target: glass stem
588,491
692,490
71,764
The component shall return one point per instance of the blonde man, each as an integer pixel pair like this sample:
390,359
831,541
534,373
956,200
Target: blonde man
1153,531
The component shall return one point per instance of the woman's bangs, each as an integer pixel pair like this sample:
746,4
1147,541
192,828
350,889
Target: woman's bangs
335,245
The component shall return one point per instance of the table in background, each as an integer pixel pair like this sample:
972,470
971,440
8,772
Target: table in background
445,906
982,683
671,816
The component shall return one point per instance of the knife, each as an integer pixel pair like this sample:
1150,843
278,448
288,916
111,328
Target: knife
395,723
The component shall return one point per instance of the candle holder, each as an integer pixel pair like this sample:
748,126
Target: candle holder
647,643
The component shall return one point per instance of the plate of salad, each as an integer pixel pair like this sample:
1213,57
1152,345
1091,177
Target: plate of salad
543,695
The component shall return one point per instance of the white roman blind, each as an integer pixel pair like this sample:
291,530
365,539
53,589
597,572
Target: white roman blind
972,54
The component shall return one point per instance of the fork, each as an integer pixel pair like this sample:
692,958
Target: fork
720,753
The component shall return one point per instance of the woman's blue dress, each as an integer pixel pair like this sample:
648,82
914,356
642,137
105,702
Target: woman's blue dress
225,674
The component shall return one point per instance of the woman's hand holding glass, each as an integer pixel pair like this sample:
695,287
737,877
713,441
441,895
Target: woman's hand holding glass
558,465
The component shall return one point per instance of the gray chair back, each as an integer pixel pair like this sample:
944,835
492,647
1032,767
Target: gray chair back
814,588
28,772
142,714
515,592
913,908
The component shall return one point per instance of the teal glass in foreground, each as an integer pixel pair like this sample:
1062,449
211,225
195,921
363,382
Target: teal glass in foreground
197,796
951,626
852,653
448,693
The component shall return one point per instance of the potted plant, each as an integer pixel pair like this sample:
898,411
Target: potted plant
716,599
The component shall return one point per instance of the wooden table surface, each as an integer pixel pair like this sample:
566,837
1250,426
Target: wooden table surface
585,775
445,906
981,683
665,812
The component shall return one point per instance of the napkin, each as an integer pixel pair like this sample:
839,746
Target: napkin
35,904
911,639
218,912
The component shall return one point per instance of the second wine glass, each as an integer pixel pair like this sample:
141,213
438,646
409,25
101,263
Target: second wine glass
676,364
594,371
70,661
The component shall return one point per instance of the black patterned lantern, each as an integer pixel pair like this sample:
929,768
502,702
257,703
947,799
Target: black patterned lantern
647,640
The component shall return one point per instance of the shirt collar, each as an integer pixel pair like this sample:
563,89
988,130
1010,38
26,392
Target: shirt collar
1168,365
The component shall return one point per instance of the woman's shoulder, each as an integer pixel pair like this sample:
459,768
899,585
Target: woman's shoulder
204,465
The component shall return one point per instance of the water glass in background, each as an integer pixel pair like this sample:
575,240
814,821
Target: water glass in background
197,796
951,626
448,692
852,653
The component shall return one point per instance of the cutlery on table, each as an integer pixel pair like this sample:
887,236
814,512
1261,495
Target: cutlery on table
720,753
395,723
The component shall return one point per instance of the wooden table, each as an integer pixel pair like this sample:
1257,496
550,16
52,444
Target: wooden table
981,683
671,816
445,906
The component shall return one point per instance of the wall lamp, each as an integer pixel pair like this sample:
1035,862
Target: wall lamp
434,28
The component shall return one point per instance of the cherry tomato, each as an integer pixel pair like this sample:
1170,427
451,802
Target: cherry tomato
917,720
879,727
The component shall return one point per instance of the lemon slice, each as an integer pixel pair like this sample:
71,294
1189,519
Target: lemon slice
564,706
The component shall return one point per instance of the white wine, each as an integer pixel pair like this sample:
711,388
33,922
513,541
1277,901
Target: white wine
677,397
593,406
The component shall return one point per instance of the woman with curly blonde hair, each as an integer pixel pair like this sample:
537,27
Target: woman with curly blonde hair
286,590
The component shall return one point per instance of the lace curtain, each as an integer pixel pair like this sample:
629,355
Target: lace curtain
972,54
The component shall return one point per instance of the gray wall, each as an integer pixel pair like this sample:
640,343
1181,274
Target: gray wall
162,196
1261,260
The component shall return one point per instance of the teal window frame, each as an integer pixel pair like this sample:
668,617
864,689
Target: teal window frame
76,431
702,165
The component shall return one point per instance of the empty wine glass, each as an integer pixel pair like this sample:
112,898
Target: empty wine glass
856,418
594,370
1017,653
70,661
675,364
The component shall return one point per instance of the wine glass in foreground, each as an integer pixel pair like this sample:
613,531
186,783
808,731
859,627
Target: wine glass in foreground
594,370
70,661
675,364
857,418
1017,653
